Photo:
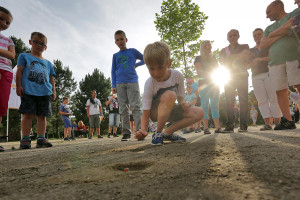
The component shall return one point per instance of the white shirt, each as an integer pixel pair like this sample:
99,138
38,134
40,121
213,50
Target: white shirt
93,108
152,87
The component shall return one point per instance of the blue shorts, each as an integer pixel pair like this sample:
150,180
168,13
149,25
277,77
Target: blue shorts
67,122
38,105
114,119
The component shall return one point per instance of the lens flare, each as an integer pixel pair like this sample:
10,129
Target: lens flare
220,76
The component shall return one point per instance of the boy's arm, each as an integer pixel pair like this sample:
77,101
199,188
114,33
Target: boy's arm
88,111
140,57
10,53
145,120
142,133
52,81
100,108
109,100
184,105
20,90
113,74
63,113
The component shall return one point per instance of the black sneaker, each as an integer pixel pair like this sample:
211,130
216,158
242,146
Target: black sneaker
43,142
100,136
285,124
219,130
115,135
25,143
73,138
66,139
125,137
108,136
228,129
241,130
1,149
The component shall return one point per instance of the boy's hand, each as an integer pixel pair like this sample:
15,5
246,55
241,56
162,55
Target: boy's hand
185,107
20,91
140,134
53,96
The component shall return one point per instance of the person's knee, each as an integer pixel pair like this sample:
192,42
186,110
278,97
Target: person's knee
168,97
198,113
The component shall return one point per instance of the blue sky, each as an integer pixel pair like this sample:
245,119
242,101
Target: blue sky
80,32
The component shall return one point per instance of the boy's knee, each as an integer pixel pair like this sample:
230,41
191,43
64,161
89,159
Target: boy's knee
168,96
199,113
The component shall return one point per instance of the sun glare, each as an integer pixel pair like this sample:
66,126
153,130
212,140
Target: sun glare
220,76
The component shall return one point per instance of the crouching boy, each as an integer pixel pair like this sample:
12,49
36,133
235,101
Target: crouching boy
161,90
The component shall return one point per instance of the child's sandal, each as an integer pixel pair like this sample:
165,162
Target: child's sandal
206,131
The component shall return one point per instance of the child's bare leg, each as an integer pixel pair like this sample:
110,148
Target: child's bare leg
167,101
26,124
98,131
69,132
65,132
41,125
131,126
91,132
193,115
205,123
109,130
217,123
134,127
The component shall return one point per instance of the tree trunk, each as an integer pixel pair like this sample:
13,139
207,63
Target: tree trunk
184,59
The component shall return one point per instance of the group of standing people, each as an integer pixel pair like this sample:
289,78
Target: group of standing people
274,66
273,62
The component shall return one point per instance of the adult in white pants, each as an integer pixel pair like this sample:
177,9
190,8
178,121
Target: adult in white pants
263,90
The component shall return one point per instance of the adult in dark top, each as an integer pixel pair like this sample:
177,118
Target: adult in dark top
235,57
205,64
263,90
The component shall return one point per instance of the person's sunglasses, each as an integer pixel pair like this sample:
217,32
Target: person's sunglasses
39,43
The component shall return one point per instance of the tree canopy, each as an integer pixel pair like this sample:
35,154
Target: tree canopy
180,25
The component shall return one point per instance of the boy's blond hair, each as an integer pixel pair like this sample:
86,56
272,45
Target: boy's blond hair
157,53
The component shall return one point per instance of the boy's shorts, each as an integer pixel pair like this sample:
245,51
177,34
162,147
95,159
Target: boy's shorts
94,121
67,122
284,75
114,119
38,105
177,111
